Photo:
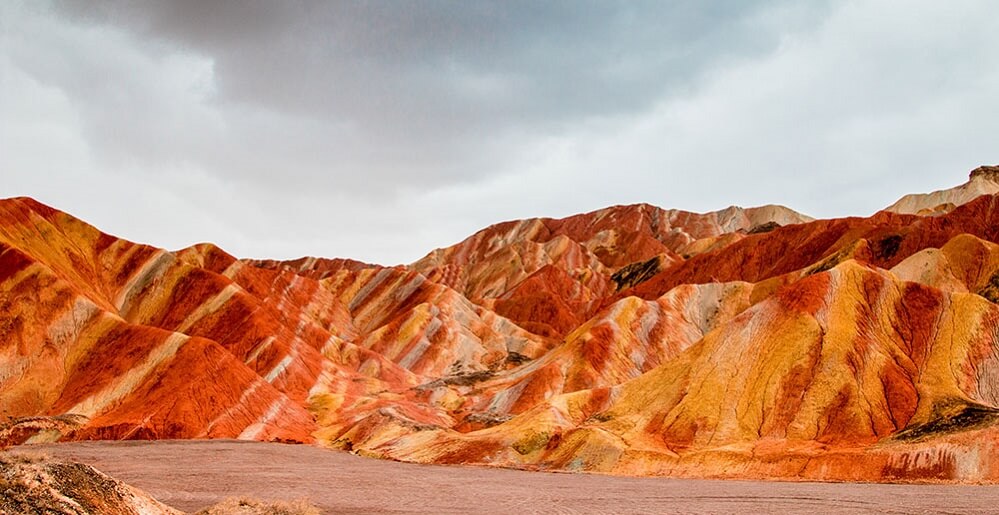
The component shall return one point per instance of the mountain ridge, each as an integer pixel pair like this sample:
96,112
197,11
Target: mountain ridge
754,343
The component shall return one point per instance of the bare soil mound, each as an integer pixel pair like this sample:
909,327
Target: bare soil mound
34,483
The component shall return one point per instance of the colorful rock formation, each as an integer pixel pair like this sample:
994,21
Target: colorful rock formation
752,343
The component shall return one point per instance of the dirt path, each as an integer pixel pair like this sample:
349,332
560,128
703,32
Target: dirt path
193,474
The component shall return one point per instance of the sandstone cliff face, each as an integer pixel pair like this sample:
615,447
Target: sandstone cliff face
631,340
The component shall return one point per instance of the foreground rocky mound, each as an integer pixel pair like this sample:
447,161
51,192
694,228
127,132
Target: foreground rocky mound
34,484
255,507
633,340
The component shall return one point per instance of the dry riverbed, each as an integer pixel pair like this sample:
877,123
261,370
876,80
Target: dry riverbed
190,475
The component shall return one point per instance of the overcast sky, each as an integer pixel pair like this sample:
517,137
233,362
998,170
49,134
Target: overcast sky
381,130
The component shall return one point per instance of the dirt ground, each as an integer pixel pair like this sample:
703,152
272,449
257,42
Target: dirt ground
190,475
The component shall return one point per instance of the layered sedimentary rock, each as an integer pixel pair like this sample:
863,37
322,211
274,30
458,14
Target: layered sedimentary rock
549,275
842,361
631,340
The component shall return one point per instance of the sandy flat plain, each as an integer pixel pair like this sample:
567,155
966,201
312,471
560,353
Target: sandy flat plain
190,475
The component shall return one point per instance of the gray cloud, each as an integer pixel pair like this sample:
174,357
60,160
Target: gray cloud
380,130
416,94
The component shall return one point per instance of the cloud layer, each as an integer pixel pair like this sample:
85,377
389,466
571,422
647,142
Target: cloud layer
379,131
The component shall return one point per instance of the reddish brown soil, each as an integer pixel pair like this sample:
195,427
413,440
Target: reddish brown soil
194,474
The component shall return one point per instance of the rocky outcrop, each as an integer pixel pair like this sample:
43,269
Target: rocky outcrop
23,429
636,273
985,172
37,484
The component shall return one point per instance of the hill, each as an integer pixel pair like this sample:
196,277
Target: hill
635,340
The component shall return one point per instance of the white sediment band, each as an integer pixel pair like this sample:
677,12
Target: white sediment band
209,307
254,430
154,266
127,382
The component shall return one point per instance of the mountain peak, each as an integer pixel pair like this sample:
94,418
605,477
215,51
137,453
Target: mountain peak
983,180
986,172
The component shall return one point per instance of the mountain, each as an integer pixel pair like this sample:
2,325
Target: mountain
753,343
983,180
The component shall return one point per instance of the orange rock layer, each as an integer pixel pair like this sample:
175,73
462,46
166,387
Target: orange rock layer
752,343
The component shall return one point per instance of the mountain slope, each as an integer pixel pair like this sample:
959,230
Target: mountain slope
837,363
499,266
750,343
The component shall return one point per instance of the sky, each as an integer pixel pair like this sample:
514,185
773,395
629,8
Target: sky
380,130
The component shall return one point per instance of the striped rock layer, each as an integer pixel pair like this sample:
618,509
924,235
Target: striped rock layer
751,343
